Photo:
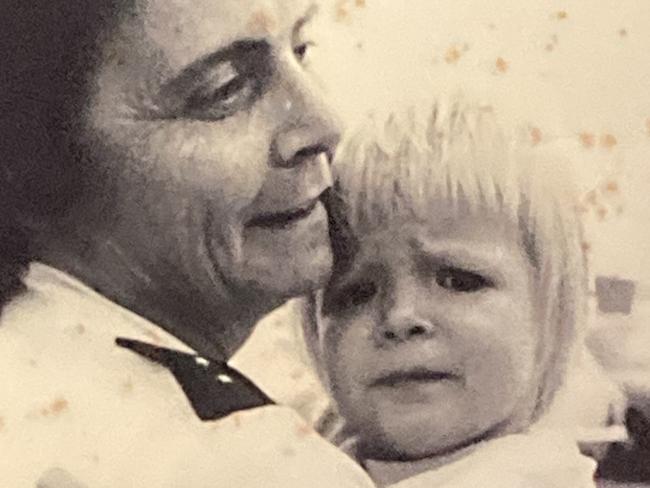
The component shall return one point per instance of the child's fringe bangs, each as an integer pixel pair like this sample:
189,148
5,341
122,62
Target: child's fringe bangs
402,168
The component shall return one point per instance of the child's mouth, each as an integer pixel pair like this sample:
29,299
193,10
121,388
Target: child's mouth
417,375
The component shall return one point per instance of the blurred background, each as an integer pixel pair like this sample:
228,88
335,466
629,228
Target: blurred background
576,73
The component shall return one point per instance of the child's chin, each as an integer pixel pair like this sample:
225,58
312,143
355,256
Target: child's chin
403,445
413,433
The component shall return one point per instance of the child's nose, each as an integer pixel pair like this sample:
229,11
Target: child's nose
400,320
400,328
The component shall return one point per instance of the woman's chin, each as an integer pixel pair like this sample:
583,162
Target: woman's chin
284,277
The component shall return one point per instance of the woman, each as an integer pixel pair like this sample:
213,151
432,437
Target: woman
166,163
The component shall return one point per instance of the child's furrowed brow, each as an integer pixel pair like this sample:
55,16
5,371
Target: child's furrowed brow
462,254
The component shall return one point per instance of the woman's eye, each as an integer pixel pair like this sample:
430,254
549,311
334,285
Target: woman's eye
221,92
219,85
218,101
302,50
462,281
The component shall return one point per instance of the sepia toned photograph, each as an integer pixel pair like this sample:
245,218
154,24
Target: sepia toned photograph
324,243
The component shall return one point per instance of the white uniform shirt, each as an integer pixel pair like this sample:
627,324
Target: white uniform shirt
76,410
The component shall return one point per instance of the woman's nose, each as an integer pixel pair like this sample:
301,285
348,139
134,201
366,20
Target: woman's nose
309,125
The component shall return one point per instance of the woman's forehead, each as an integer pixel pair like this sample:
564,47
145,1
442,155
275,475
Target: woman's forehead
184,30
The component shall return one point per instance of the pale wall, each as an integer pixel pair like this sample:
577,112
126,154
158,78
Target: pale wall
569,68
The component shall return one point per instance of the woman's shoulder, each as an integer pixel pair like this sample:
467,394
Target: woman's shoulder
75,405
70,396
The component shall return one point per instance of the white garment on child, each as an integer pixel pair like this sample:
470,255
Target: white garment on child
541,459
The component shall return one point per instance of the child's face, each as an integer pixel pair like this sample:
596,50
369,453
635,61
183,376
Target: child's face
430,338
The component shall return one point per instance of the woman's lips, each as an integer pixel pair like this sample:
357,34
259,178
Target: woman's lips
278,220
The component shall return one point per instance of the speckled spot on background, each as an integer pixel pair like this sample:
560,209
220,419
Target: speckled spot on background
608,141
261,22
341,10
55,408
452,55
535,135
587,139
501,65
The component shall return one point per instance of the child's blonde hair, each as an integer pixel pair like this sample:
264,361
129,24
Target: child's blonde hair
395,168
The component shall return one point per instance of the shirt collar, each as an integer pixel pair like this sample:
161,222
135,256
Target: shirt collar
117,320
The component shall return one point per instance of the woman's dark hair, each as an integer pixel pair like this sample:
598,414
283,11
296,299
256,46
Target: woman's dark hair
14,260
48,49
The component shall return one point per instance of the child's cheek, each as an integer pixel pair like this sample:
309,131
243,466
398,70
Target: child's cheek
348,348
496,339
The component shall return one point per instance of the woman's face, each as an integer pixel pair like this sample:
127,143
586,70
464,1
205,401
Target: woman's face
208,114
429,340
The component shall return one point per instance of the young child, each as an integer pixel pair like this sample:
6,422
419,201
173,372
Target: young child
450,321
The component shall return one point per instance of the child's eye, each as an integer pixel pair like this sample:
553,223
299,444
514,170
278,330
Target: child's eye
461,281
349,297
